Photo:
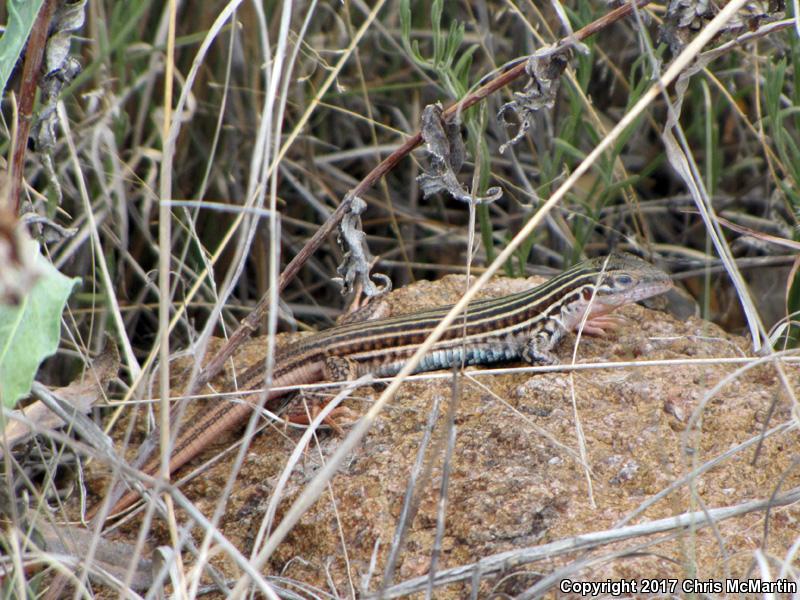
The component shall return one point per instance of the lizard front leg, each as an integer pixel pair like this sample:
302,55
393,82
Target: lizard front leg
600,325
538,347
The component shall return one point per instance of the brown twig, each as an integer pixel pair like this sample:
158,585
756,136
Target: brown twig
259,312
31,74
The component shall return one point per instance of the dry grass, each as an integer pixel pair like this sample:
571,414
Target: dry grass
198,153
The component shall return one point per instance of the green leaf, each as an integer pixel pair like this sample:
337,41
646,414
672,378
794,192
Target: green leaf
773,87
452,42
29,332
436,27
405,19
569,149
461,70
21,16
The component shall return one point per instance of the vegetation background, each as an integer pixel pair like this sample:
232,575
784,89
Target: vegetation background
213,151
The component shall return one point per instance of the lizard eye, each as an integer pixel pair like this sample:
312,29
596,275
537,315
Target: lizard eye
624,280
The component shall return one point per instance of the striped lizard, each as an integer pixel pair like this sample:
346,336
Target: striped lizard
526,325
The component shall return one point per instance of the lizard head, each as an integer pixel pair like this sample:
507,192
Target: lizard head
623,279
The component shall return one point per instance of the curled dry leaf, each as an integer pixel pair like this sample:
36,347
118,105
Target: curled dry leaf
544,71
446,148
46,229
60,70
357,259
684,18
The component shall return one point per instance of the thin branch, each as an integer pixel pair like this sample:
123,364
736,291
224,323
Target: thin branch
252,322
31,74
504,561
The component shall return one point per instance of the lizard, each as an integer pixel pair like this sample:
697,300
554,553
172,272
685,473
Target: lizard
526,325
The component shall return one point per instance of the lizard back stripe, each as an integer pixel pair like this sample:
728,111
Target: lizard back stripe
521,310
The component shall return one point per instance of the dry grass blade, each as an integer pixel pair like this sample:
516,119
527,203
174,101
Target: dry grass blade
516,558
316,486
207,155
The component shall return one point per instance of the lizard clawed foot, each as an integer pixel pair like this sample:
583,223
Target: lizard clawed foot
602,324
341,415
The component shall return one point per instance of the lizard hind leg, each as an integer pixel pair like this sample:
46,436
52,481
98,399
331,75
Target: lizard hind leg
337,368
340,368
